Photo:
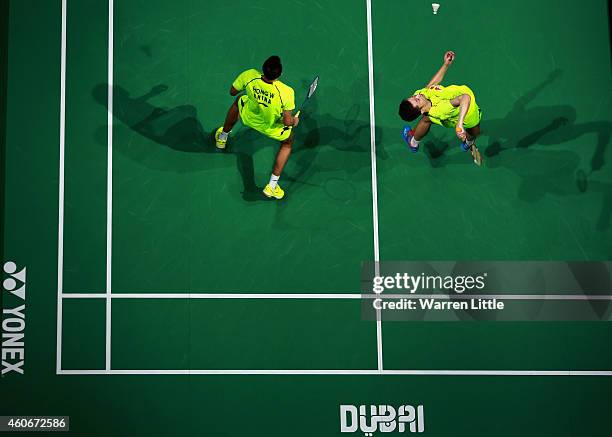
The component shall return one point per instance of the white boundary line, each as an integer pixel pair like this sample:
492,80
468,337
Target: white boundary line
109,295
379,344
109,192
553,297
60,218
346,372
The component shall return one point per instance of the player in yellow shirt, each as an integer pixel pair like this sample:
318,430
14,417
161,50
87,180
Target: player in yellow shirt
266,107
452,106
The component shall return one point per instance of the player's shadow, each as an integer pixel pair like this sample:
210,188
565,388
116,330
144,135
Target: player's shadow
544,125
177,128
337,143
326,144
437,150
549,171
244,144
318,140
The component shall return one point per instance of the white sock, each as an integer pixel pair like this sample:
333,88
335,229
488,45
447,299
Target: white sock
223,135
273,181
414,143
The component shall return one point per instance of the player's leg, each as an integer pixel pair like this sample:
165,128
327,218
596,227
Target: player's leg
230,120
472,133
422,128
472,129
414,136
273,189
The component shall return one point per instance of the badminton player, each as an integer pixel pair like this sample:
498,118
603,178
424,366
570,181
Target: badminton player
453,106
266,107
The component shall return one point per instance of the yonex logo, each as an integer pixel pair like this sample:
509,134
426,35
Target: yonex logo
10,284
383,418
13,320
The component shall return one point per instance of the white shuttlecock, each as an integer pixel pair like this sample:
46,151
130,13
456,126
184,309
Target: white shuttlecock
435,7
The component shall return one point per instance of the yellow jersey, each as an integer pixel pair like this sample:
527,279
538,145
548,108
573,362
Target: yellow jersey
262,107
442,112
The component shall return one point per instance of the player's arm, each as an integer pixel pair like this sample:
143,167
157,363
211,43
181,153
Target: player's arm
240,82
449,57
156,90
289,120
463,102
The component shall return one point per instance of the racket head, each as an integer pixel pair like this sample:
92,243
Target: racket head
313,87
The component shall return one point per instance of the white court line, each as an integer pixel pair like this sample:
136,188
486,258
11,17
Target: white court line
210,296
346,372
60,218
109,188
579,297
379,344
116,295
109,295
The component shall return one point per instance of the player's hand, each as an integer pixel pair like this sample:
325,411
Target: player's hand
460,132
296,120
449,57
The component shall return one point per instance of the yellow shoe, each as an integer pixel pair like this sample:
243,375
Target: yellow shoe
277,192
219,142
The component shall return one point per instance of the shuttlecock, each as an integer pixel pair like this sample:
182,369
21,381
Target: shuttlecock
435,7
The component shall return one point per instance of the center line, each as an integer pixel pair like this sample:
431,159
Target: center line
374,182
109,192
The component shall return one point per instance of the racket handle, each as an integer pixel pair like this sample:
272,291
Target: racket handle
297,114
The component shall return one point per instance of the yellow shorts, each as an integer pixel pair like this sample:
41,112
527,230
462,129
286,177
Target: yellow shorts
277,132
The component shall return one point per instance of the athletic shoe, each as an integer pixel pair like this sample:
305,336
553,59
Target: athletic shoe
465,146
407,135
219,142
276,192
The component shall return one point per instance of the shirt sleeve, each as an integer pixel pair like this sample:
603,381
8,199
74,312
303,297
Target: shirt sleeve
288,100
243,78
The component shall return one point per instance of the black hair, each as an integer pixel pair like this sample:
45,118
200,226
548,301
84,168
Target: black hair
407,111
272,68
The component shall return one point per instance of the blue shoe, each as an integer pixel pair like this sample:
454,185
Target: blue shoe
407,135
465,147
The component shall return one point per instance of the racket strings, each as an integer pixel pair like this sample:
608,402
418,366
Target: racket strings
313,87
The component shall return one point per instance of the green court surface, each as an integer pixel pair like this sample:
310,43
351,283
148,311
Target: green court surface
167,296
